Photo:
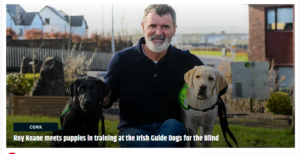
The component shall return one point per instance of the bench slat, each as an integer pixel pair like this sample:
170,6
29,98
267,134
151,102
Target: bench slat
39,105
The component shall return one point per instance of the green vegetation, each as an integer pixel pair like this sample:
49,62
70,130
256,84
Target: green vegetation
30,76
19,84
240,56
280,103
255,137
246,136
209,53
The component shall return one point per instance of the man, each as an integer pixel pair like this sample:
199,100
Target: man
147,79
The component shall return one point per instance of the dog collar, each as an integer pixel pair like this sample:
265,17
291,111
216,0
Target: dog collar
204,110
184,102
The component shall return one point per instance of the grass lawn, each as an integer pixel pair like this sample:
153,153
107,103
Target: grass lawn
238,56
246,136
255,137
209,53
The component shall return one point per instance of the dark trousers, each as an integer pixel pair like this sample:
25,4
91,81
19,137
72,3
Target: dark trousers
156,130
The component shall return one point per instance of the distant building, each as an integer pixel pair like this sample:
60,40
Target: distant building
47,20
58,21
271,36
19,20
174,41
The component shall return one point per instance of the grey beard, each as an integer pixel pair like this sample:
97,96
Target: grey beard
156,47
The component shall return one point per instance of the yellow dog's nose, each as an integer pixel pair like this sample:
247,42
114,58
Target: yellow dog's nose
203,87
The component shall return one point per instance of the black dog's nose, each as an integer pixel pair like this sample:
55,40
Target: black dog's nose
87,100
203,87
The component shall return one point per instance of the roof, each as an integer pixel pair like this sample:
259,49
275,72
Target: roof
56,12
15,9
62,12
16,12
87,27
28,18
75,20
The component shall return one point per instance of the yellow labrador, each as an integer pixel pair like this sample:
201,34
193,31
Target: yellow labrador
204,84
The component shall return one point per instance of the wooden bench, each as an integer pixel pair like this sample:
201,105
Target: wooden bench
51,106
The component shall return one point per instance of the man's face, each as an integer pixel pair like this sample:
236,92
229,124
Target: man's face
158,31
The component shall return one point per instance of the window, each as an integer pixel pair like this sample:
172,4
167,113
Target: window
47,21
271,19
280,18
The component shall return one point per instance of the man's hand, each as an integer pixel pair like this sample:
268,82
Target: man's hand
106,100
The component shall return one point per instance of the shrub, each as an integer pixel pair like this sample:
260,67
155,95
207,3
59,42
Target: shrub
10,31
30,76
33,34
279,103
18,84
75,66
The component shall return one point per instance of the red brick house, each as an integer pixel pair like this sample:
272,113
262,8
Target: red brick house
271,36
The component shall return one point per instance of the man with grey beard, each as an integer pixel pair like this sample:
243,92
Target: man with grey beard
147,79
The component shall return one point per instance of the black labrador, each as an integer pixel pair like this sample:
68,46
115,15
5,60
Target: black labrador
85,110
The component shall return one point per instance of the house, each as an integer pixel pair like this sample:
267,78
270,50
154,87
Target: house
79,25
19,20
58,21
47,20
271,36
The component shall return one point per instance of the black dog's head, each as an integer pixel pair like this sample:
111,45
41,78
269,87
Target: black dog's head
87,92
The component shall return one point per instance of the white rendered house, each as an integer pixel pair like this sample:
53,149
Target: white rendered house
58,21
19,20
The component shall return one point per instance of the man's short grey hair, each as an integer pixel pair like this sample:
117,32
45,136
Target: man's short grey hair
161,9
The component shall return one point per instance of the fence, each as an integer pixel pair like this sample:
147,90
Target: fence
14,56
51,106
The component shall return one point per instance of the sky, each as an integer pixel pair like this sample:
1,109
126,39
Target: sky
191,18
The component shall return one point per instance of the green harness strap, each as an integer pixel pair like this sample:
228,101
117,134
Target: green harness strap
182,97
65,110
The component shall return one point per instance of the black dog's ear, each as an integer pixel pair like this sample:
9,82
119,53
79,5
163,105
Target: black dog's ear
71,89
104,89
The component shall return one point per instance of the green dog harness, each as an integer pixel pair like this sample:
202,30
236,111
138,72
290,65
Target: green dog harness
182,97
65,110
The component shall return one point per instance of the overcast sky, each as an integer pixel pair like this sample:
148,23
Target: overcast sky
191,18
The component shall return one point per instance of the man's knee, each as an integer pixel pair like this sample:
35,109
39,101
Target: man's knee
173,123
132,131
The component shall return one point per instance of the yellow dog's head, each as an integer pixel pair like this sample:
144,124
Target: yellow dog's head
205,81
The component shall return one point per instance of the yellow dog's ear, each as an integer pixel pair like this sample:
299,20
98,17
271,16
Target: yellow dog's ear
188,76
221,82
